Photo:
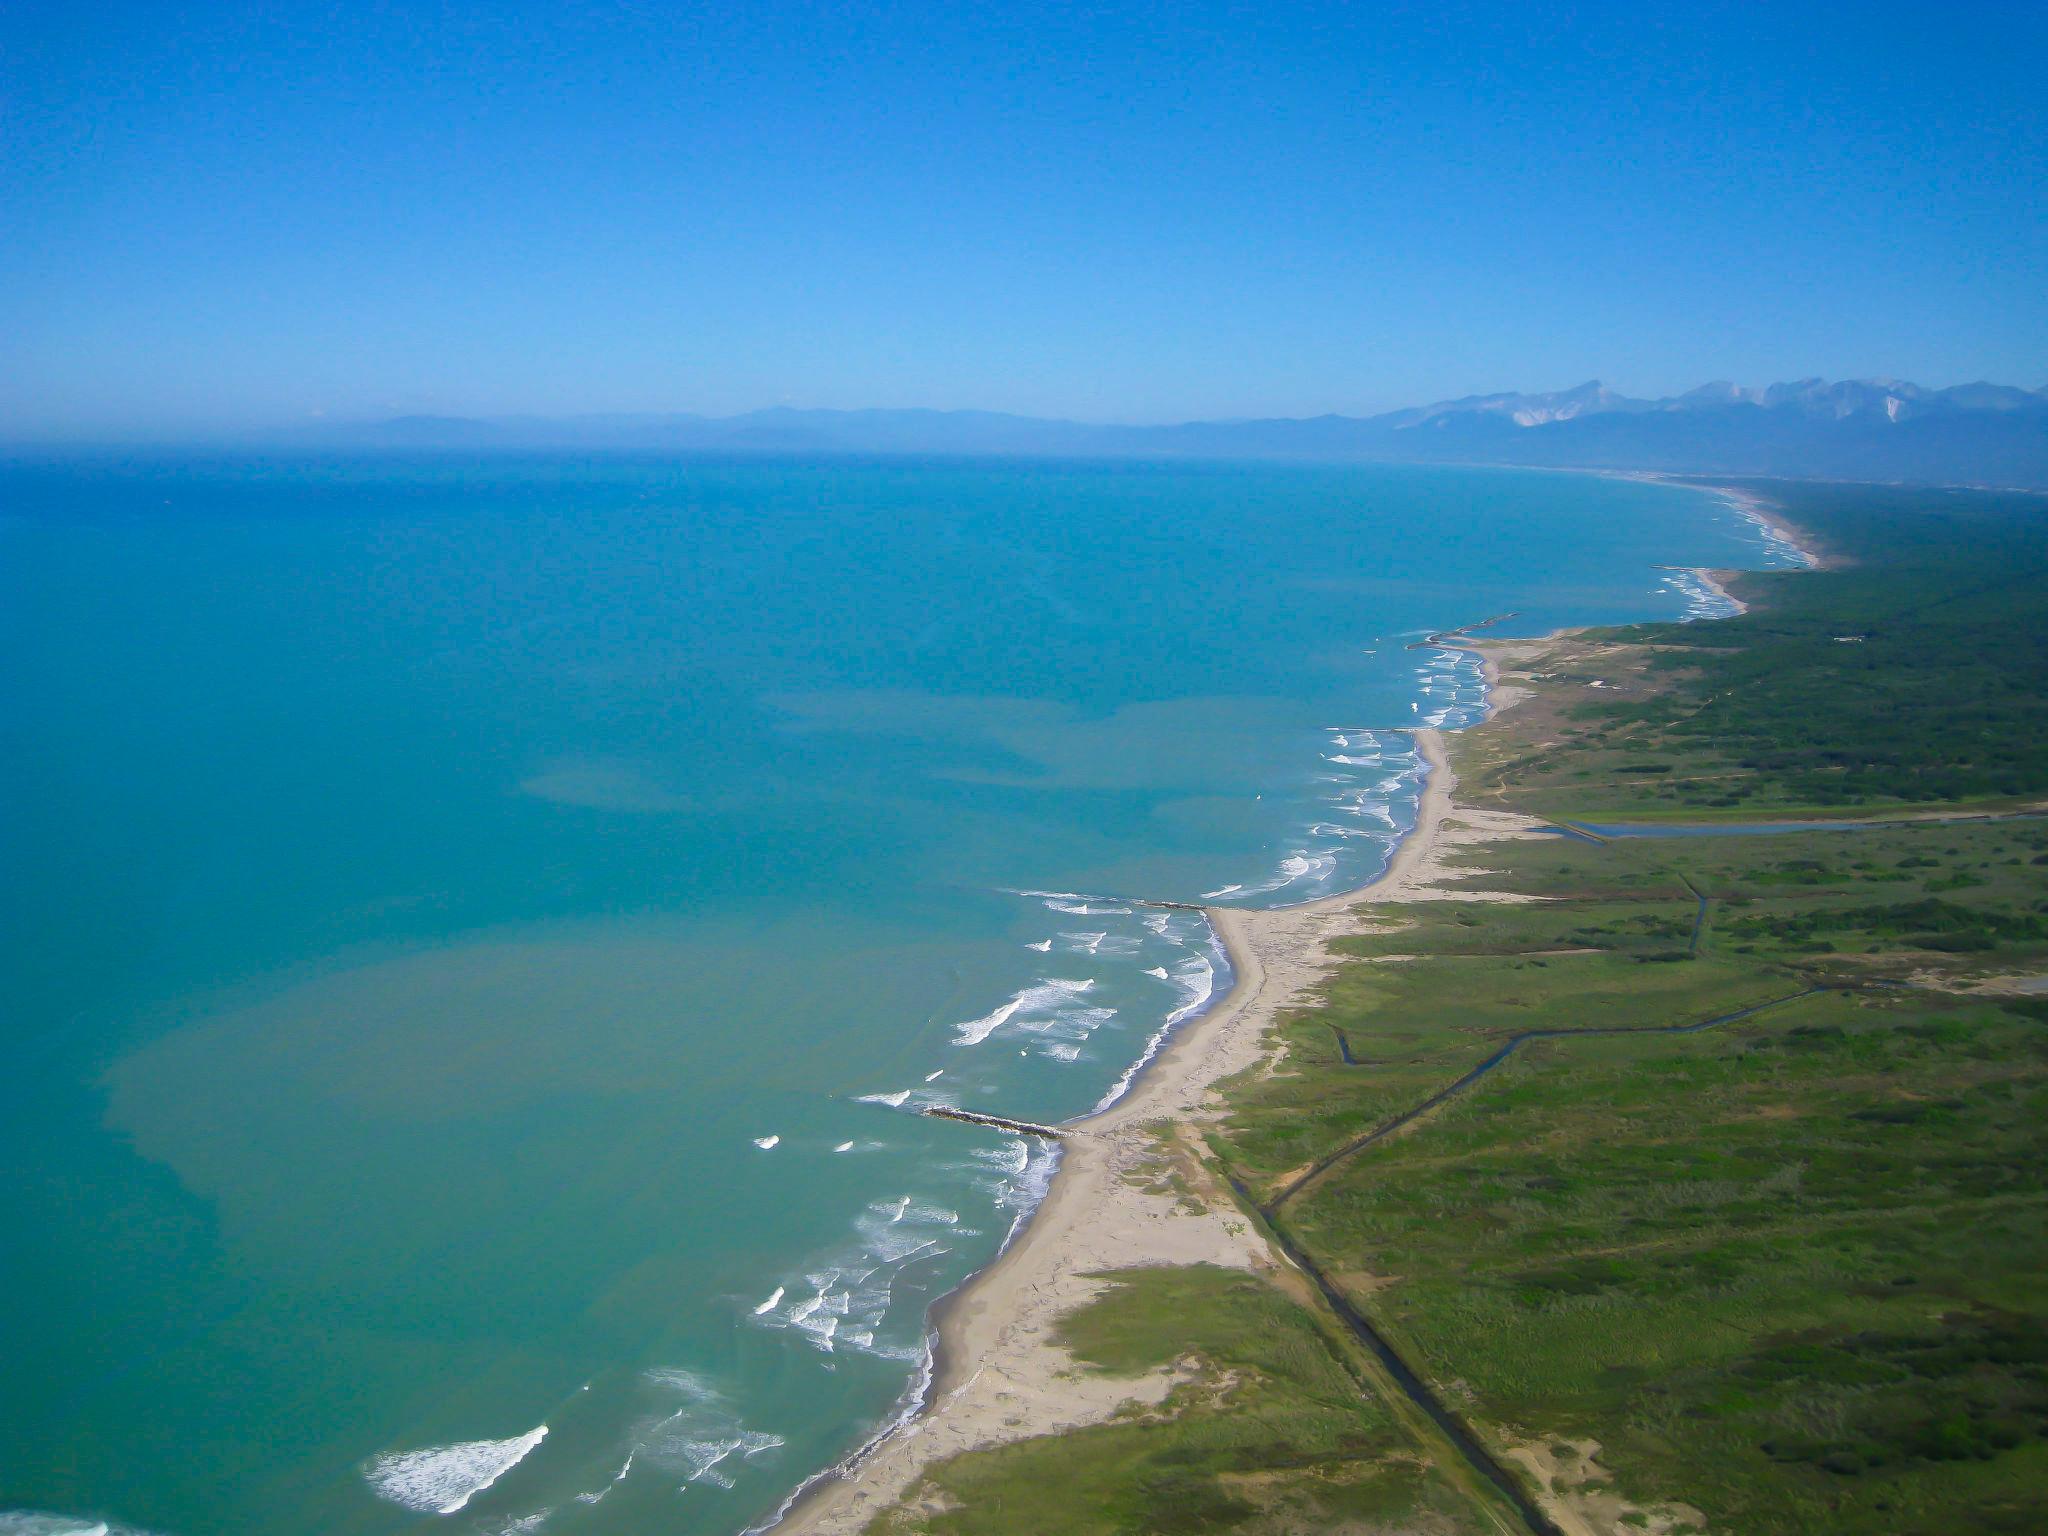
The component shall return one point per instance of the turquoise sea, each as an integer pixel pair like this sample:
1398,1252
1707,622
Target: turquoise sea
475,931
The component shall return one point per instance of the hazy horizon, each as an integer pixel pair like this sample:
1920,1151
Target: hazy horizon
307,428
265,217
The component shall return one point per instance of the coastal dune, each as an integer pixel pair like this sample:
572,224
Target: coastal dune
999,1374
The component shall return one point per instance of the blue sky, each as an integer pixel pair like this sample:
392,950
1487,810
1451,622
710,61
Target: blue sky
224,215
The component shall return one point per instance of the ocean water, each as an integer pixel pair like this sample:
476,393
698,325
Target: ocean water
476,933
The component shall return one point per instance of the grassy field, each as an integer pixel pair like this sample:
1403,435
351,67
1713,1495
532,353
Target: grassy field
1787,1270
1778,1273
1270,1431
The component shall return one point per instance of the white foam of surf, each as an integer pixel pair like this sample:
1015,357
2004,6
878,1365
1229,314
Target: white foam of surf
1069,1024
705,1459
1306,866
773,1301
1702,599
695,1440
915,1396
846,1296
1194,976
618,1477
1332,829
441,1479
1039,997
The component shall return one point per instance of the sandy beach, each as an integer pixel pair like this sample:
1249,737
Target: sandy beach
999,1374
1749,504
1711,580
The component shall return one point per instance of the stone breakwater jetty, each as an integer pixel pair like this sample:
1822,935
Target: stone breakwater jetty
1450,637
1021,1127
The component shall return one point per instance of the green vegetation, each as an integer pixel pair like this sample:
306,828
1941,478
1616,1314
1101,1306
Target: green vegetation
1912,674
1268,1431
1789,1269
1785,1270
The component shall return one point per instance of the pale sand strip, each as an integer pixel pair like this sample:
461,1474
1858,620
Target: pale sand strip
1000,1376
1711,580
1758,509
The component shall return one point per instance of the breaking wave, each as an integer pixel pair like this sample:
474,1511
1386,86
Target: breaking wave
36,1522
1040,997
441,1479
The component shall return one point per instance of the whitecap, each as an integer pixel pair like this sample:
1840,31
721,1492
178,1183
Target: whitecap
1013,1156
705,1457
767,1143
443,1478
1195,977
1039,997
696,1439
1331,829
844,1146
618,1477
776,1300
1310,867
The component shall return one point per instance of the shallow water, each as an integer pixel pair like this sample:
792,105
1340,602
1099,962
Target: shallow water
477,930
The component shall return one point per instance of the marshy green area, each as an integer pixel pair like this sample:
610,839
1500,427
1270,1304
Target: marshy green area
1678,1263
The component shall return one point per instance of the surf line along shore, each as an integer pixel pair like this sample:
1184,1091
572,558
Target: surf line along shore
998,1373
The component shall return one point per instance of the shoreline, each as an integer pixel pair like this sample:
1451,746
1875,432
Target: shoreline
993,1372
1751,505
1711,580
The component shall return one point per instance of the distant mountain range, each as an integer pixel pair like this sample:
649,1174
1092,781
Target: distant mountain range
1859,429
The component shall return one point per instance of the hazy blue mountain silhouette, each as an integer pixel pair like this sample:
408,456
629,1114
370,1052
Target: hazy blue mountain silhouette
1863,429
